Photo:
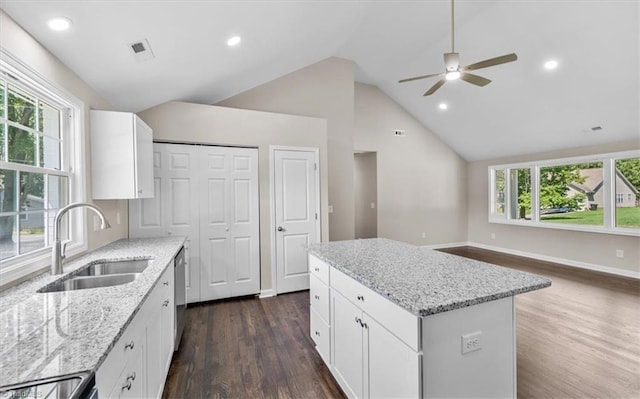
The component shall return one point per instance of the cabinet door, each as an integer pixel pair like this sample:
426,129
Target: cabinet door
155,364
347,349
143,159
393,367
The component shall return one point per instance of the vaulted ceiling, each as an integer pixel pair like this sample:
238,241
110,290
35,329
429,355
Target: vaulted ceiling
525,109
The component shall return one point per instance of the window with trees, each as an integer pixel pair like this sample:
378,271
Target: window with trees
37,126
596,193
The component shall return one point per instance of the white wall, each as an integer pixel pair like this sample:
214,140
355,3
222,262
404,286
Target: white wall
196,123
574,247
22,46
323,90
365,184
422,183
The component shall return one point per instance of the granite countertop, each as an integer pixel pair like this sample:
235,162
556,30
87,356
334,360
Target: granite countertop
45,335
421,280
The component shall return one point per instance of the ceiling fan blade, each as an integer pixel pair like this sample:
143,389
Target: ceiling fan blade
419,77
435,87
491,62
474,79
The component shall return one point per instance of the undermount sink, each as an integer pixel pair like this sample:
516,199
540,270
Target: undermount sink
114,267
84,282
98,274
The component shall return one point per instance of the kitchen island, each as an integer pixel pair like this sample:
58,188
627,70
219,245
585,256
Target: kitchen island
396,320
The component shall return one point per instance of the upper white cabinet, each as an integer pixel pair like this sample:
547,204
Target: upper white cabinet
121,156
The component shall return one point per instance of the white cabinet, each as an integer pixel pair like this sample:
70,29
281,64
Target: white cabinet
373,344
159,333
137,366
121,156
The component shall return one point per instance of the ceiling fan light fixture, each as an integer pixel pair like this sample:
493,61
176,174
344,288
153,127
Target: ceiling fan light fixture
452,75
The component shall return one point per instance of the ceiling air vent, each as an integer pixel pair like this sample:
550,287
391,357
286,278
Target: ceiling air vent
141,50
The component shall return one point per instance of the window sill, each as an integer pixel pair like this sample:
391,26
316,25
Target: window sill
569,227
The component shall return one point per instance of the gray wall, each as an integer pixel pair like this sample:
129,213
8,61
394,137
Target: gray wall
323,90
196,123
574,246
422,183
365,183
22,46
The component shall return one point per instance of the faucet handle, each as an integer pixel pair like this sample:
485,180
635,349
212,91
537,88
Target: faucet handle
63,253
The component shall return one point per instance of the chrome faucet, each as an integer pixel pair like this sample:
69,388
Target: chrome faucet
58,250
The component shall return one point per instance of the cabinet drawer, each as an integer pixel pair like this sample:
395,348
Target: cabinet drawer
128,347
400,322
319,297
320,335
319,269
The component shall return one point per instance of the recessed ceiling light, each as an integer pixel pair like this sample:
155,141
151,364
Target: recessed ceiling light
443,106
233,41
551,65
59,24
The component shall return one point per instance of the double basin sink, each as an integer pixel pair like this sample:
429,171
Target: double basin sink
100,274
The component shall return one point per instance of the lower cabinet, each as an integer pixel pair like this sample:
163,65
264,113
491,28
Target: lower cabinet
137,366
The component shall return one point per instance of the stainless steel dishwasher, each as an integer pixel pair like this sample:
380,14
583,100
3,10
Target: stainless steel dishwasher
179,265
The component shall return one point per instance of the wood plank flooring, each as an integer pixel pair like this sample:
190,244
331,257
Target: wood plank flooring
579,338
249,348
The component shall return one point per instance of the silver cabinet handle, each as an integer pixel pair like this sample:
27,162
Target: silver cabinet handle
360,298
317,269
318,333
166,283
126,385
317,297
280,228
129,345
165,303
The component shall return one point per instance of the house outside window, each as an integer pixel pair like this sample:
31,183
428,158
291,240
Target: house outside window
40,168
595,193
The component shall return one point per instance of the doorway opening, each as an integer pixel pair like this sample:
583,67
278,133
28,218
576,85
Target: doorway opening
365,179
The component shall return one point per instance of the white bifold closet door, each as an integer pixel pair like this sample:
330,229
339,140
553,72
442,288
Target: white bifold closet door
210,195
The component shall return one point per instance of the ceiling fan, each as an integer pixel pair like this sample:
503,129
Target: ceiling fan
454,71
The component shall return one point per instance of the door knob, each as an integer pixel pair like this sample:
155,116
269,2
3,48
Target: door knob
280,228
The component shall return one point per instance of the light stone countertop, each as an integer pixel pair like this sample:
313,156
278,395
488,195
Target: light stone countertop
44,335
421,280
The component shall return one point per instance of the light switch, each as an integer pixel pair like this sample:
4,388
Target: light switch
330,208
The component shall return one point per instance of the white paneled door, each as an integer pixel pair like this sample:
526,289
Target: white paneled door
296,199
169,212
210,195
229,229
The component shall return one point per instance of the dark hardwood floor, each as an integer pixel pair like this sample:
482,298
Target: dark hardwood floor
579,338
250,348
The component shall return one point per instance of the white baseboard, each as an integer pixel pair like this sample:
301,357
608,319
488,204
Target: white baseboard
266,293
567,262
446,245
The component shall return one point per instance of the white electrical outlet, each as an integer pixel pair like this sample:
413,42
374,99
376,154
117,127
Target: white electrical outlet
493,236
373,205
471,342
96,223
330,208
424,235
118,217
619,253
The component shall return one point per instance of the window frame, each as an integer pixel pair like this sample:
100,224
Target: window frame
609,198
72,155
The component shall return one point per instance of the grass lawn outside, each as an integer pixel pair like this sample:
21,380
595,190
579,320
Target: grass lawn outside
625,217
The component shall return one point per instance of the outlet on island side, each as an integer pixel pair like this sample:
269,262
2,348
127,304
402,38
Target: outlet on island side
471,342
493,236
424,234
619,253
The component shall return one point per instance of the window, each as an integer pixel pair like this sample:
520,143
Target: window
39,130
627,181
597,193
